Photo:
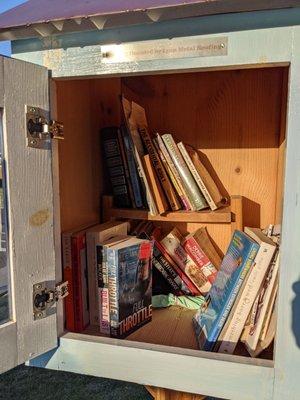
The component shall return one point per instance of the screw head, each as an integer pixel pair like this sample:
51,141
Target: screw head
33,142
222,45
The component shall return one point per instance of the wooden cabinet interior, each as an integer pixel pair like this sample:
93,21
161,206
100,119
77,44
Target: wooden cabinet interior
235,117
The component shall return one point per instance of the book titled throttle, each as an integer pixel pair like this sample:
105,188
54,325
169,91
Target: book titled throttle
115,165
209,320
130,285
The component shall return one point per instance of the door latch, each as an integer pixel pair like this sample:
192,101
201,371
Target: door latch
45,297
40,129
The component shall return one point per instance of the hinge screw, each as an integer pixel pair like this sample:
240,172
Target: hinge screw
33,142
39,315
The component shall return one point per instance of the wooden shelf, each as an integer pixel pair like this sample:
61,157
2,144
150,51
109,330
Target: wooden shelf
222,215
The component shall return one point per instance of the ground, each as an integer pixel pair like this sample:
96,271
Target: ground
34,383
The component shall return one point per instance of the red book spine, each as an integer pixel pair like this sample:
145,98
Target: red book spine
193,289
78,243
68,276
193,249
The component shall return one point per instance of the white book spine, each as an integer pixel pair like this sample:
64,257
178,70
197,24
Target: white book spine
196,176
236,320
253,337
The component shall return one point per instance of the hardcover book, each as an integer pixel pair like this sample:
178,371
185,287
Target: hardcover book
210,319
202,238
94,237
196,198
129,282
234,325
172,244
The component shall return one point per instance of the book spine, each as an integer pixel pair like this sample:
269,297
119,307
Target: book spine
92,278
126,168
68,276
235,325
231,298
197,177
113,287
182,280
166,276
193,249
196,198
114,163
177,181
103,293
134,177
78,301
158,166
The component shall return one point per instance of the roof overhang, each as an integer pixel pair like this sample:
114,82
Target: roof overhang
44,18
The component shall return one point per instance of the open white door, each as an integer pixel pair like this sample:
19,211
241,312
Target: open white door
27,253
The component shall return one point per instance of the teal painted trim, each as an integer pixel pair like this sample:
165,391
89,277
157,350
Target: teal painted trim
166,29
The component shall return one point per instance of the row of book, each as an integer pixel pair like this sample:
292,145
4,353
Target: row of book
241,304
153,171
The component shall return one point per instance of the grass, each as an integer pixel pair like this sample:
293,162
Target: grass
29,383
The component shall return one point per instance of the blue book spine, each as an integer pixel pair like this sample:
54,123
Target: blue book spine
113,286
214,334
134,178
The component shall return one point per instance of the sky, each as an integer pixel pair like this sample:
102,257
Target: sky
6,5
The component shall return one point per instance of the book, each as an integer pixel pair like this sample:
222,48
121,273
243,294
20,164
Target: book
202,238
206,177
197,176
68,274
133,172
138,153
172,244
80,283
179,277
138,113
192,248
195,197
126,168
253,326
177,187
210,319
129,281
114,163
94,237
155,186
234,325
102,280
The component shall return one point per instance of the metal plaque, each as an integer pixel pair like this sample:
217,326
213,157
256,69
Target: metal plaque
165,49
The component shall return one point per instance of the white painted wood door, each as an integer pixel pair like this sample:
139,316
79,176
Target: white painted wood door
30,242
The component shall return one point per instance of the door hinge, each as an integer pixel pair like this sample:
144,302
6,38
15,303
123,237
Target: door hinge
45,296
40,130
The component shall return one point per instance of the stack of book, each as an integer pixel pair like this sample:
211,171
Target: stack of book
241,304
153,171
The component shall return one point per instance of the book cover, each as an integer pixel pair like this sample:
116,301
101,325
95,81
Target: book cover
260,307
133,172
192,248
197,177
94,237
196,198
173,173
206,177
114,164
172,244
234,325
130,290
202,238
209,320
138,113
155,186
138,153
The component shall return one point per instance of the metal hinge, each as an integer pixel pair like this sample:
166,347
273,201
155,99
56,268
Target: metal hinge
40,130
45,296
